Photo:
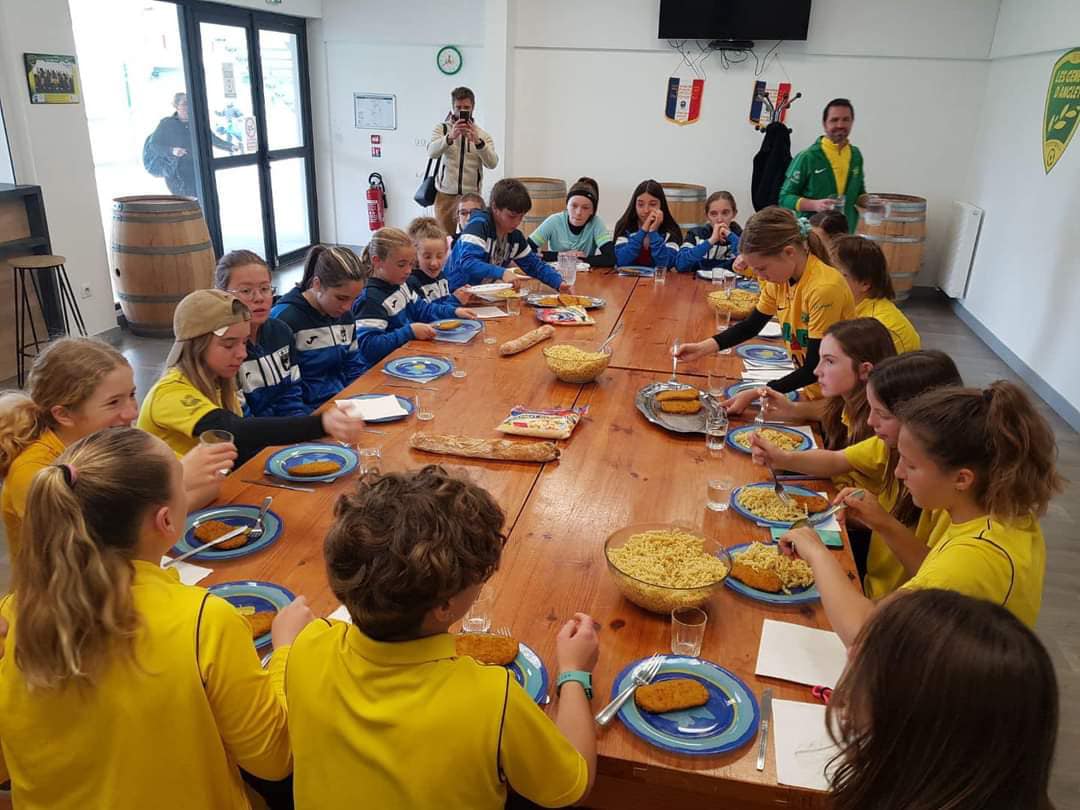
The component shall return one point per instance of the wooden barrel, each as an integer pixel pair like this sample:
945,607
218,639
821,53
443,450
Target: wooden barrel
687,204
897,222
548,197
161,252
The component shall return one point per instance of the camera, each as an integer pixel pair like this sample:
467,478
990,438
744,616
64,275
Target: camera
464,115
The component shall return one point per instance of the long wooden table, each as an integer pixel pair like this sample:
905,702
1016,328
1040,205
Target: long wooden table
617,469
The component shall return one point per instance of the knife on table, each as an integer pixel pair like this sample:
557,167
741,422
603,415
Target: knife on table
766,721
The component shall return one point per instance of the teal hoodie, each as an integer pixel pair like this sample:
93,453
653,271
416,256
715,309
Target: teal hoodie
810,175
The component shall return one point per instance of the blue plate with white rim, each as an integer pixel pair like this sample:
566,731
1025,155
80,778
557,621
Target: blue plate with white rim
529,671
797,596
418,368
283,460
732,390
404,402
763,354
465,331
748,284
252,596
728,721
804,440
637,270
790,489
234,514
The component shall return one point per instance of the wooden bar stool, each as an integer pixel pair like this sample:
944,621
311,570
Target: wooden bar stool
69,305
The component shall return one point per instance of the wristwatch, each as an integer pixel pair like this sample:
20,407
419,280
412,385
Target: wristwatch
584,678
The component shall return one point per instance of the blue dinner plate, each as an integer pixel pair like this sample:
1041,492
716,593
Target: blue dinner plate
748,284
404,402
253,596
791,489
763,354
732,390
418,367
280,462
637,270
798,596
529,671
235,514
804,443
462,333
728,721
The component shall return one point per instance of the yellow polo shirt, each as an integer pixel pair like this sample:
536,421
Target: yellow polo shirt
884,572
839,159
988,559
172,408
409,724
164,730
904,336
807,308
36,456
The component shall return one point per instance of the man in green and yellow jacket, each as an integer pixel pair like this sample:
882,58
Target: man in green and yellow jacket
830,167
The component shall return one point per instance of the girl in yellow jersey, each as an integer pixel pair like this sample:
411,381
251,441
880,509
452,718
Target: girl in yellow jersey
863,266
120,686
892,517
987,460
806,295
78,386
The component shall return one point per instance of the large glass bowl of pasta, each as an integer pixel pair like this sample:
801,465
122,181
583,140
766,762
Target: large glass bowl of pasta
663,566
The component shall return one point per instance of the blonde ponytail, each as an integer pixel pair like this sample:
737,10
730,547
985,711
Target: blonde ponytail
21,422
772,229
383,242
74,605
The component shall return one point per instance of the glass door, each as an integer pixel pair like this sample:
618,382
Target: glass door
256,131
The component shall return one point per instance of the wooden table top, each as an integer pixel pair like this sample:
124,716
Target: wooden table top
616,470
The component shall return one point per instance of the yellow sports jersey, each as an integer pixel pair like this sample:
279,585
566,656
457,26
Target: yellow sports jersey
884,572
172,408
40,453
987,559
839,159
165,729
807,308
904,336
410,724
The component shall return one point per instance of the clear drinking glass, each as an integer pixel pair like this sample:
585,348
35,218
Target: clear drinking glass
716,429
688,630
568,267
723,322
719,494
513,305
217,437
716,381
660,274
421,403
370,460
478,618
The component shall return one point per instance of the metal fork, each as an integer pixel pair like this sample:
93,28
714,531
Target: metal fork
611,337
257,530
674,360
759,422
642,677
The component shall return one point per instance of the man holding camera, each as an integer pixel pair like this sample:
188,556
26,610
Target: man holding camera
465,150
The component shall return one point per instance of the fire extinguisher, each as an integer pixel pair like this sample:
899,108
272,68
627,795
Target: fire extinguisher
376,201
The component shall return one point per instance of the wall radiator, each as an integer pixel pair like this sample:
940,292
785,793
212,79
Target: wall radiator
961,242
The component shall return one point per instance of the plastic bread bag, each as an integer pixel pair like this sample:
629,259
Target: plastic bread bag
543,423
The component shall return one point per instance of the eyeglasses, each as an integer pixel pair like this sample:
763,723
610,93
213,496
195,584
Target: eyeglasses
264,291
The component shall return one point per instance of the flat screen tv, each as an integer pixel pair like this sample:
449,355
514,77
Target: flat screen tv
734,19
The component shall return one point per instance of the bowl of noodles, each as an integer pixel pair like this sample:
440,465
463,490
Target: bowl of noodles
573,365
663,566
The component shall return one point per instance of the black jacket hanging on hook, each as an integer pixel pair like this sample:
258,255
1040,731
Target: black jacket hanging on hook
770,164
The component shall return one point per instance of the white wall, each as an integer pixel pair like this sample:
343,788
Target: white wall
7,173
1032,26
601,111
50,144
296,8
1023,286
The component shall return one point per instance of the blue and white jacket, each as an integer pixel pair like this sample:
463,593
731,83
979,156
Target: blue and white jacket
662,249
269,380
428,288
325,347
479,254
384,316
697,254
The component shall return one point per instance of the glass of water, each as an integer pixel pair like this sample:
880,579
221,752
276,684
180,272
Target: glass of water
716,428
720,493
723,323
370,459
422,408
716,381
478,619
660,274
568,267
688,630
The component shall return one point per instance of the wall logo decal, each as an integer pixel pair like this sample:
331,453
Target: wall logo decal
1062,108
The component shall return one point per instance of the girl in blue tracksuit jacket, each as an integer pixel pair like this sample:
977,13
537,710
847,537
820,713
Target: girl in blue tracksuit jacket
319,313
647,235
492,240
269,380
389,313
715,245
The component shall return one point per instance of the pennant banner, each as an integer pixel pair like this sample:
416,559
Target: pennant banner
1062,108
684,100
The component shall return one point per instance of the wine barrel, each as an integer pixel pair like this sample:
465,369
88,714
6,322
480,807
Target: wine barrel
548,197
161,252
897,222
687,204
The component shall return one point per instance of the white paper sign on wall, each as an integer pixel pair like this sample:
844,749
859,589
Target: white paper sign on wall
375,111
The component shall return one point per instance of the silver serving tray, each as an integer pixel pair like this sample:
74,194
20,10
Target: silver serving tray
675,422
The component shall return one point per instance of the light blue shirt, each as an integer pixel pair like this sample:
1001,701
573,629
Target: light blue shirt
554,233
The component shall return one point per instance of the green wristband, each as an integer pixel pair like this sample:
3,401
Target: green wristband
584,678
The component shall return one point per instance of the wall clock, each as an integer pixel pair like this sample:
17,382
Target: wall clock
449,60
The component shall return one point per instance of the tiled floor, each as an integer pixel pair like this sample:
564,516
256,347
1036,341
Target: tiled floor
1059,622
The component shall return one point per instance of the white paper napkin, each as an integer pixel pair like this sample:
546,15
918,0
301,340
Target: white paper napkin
765,374
341,614
771,330
487,313
805,655
803,747
189,574
383,407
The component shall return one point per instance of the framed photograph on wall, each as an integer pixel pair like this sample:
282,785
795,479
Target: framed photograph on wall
52,78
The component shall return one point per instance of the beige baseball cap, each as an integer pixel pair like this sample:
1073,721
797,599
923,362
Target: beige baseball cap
203,312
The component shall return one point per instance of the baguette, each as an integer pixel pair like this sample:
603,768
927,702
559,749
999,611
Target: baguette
497,449
528,340
677,394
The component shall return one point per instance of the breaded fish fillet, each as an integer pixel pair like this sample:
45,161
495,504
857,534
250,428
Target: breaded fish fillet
671,695
487,648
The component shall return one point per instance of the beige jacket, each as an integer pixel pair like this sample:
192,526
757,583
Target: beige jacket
463,163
